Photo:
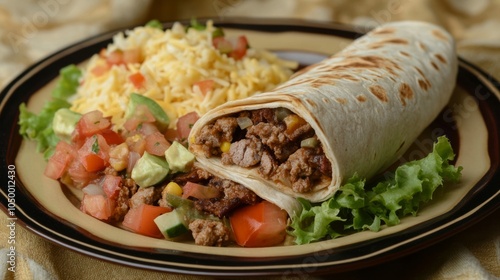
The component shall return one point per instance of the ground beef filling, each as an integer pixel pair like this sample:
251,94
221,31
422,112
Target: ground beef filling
280,144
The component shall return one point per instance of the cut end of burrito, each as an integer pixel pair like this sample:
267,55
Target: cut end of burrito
277,144
349,114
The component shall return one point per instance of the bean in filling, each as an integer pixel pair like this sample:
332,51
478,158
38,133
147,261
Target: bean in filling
280,144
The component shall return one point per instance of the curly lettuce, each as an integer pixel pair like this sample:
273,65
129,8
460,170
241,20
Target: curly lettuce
38,127
354,207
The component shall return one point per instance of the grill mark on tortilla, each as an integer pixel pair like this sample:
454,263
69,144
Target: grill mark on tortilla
423,84
405,92
379,92
367,62
341,100
428,84
383,43
311,103
404,53
434,65
361,98
440,58
438,34
422,46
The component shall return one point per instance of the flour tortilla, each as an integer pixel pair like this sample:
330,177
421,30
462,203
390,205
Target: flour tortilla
367,104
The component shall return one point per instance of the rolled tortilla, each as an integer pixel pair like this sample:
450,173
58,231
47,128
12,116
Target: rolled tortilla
366,104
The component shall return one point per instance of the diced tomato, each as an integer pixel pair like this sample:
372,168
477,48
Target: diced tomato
156,144
59,162
94,154
115,57
259,225
99,70
240,48
141,219
132,56
122,57
80,176
205,86
92,162
198,191
142,114
185,123
97,206
148,128
111,185
171,135
91,123
137,79
112,137
222,44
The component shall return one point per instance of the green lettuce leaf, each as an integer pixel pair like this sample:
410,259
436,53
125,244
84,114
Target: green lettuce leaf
38,127
354,207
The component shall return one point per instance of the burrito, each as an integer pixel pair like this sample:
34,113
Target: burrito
355,112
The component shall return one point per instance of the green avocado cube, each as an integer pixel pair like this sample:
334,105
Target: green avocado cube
149,170
179,158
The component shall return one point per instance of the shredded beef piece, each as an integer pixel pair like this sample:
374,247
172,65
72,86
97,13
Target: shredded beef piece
235,195
263,115
217,206
195,175
234,190
273,136
122,206
322,164
245,153
303,131
209,232
212,136
145,196
268,165
298,170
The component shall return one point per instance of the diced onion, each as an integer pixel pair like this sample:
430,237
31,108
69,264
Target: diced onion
282,113
93,189
309,143
244,122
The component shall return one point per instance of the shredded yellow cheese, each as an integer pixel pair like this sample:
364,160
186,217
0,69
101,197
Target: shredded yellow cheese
174,61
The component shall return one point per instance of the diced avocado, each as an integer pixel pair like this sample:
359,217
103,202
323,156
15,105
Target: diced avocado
159,114
64,123
179,158
172,224
149,170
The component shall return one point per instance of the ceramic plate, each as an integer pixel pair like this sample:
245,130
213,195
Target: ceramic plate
471,121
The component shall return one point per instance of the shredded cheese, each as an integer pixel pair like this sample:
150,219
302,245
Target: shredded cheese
173,64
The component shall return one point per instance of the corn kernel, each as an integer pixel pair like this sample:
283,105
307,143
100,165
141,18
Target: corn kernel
173,188
225,146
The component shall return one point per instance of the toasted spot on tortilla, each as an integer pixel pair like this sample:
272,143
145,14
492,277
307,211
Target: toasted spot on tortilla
361,98
404,53
311,103
405,92
341,100
434,65
440,58
422,46
438,34
423,84
326,100
379,92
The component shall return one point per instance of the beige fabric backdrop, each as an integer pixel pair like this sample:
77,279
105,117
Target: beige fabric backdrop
31,29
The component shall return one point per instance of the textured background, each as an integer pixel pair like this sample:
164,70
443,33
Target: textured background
32,29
